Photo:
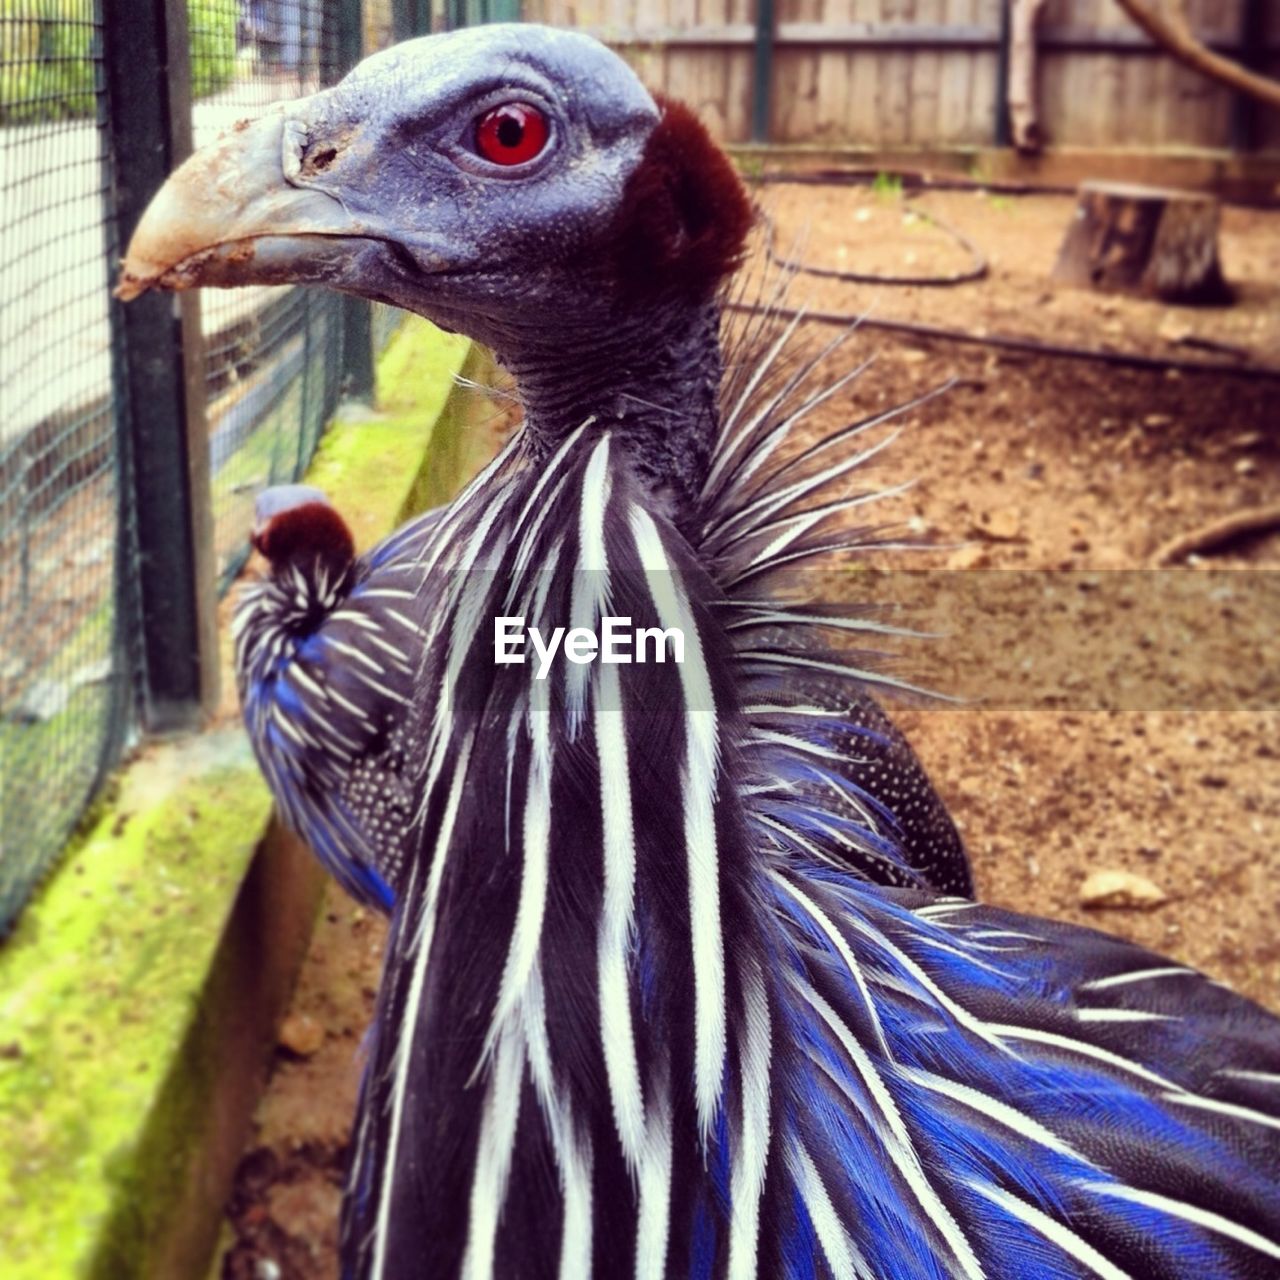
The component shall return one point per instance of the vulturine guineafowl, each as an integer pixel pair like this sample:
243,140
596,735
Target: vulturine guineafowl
326,648
637,1016
323,665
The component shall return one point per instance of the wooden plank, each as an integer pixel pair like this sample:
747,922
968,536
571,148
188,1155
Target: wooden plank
794,108
925,70
895,79
1250,178
738,96
887,34
862,94
797,81
1061,38
1135,123
1268,122
832,79
889,72
955,79
985,76
1058,112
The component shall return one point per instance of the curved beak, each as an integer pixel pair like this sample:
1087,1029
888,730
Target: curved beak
234,214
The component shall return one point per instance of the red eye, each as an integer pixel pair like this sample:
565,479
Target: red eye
511,134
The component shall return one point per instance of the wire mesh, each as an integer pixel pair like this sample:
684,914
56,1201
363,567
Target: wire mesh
273,369
386,320
272,355
62,673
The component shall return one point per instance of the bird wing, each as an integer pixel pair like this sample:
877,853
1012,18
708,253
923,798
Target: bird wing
966,1091
768,510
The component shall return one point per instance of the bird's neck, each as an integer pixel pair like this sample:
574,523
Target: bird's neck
575,953
651,379
274,615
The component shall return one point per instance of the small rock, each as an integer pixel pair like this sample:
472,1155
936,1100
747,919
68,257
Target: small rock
1123,889
1174,330
970,557
1157,420
1246,467
301,1034
1005,524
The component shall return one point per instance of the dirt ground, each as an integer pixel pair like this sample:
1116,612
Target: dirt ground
1115,721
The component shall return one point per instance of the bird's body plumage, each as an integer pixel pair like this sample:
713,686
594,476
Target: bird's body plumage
325,660
640,1019
328,727
671,990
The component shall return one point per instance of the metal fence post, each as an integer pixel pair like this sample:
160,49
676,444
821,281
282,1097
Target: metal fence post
410,18
1252,54
762,82
159,370
1001,125
356,313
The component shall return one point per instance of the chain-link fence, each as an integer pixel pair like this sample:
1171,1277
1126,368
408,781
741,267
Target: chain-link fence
62,690
75,603
272,355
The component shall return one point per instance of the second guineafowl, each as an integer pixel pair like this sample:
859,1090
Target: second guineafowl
326,648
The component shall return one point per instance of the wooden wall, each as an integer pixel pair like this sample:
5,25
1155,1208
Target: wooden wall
923,94
926,72
700,51
1268,132
1128,95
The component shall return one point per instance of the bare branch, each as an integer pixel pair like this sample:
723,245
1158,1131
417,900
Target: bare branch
1023,75
1172,31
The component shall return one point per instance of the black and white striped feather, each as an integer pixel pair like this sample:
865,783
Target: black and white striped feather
647,1011
325,659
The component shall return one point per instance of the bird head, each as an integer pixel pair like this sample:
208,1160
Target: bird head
506,181
296,525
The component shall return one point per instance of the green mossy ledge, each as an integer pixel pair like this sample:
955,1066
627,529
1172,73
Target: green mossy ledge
140,991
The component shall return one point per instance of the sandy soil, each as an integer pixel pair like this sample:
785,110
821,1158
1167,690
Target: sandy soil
1117,721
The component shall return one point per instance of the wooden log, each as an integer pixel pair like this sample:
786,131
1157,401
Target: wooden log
1152,241
1024,88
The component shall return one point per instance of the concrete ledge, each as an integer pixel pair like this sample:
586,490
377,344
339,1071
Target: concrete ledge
1250,178
140,989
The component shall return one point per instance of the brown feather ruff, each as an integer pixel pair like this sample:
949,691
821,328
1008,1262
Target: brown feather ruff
312,531
685,213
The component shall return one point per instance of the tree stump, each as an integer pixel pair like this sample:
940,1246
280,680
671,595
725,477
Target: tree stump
1150,241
